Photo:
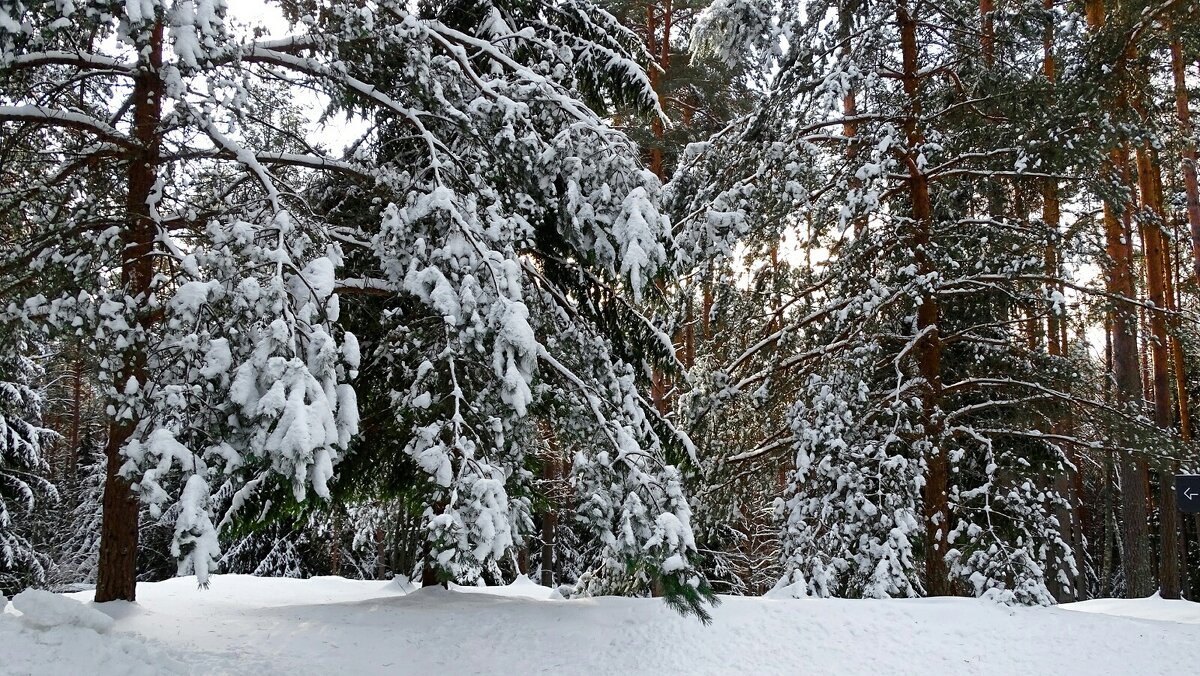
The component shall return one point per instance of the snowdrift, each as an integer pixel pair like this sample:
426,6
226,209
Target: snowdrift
329,625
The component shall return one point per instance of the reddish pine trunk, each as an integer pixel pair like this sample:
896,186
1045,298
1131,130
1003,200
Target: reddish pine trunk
1154,247
661,51
988,32
1069,483
1135,533
1183,408
850,111
1056,338
1189,152
117,571
1181,391
335,546
929,345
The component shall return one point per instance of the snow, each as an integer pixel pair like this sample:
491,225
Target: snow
266,626
522,587
45,610
62,637
1151,608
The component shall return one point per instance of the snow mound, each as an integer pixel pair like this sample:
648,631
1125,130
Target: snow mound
522,587
45,610
1150,608
786,591
60,637
404,584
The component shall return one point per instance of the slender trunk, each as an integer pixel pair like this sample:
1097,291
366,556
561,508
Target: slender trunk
381,558
928,348
987,32
849,112
660,50
550,473
1051,212
1153,244
850,131
706,307
1136,557
1103,586
1183,410
117,571
1181,390
335,545
1189,152
429,576
75,435
1112,543
1135,537
1069,483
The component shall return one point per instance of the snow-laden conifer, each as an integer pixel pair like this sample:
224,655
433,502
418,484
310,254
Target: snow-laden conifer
514,225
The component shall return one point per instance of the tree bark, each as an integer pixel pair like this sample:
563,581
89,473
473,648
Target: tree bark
117,571
928,348
849,112
1184,411
1051,211
429,576
1136,560
660,50
549,524
75,435
335,545
1190,189
1157,263
1135,536
1068,483
987,32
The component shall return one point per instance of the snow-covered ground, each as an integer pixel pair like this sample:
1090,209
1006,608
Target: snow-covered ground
338,627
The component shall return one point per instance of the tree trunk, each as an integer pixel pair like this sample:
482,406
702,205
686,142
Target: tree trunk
549,528
335,545
928,348
1135,536
380,554
1182,407
1104,584
1051,211
850,112
660,50
987,32
75,436
1189,152
1154,247
1068,484
117,571
429,575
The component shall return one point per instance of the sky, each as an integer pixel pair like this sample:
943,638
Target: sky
335,134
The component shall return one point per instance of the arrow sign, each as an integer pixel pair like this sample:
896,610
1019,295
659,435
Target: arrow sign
1187,492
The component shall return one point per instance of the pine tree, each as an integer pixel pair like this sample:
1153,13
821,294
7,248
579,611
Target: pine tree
220,350
23,440
922,326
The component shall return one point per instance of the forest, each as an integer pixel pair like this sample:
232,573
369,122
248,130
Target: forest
661,298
